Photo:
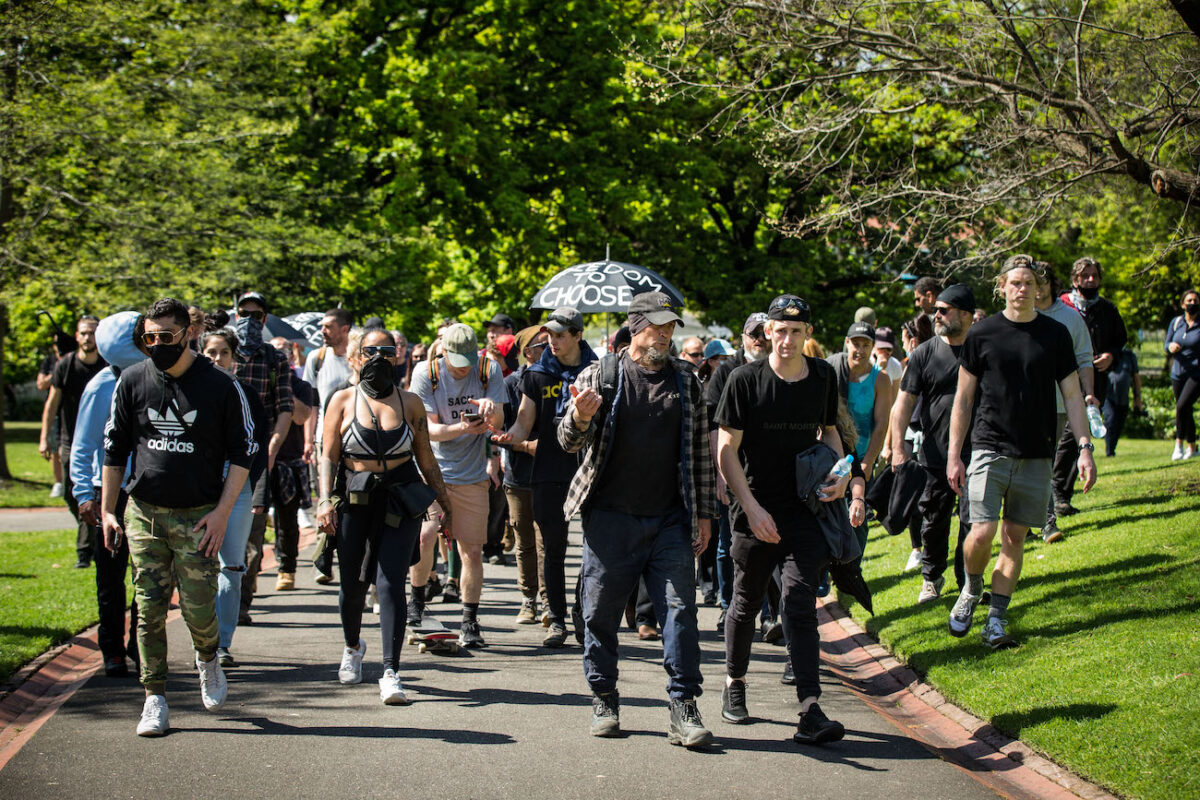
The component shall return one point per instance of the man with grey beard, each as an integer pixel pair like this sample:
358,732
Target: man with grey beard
932,378
646,490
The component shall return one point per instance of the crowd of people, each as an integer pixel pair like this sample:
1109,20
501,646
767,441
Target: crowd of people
740,477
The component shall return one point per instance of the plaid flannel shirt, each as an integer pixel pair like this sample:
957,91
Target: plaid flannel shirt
698,481
255,373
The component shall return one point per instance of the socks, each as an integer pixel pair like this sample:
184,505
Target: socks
470,611
975,583
999,605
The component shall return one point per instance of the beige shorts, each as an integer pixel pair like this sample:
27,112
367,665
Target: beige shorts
469,512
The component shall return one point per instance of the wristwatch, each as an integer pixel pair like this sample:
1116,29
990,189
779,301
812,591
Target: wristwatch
1088,446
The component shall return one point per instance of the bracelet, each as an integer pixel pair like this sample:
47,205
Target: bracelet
323,500
858,500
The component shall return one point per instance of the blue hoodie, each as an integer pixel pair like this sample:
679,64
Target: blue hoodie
114,340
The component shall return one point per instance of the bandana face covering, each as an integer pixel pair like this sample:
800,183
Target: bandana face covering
376,377
249,335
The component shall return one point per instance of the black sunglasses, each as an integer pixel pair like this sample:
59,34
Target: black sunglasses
258,315
941,310
759,334
160,337
386,350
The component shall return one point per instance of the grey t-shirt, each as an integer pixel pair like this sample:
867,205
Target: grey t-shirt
462,460
1081,340
335,371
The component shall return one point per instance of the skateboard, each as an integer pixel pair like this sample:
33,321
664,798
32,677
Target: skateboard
434,637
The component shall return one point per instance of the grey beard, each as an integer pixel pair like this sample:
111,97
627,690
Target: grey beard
652,358
752,356
946,329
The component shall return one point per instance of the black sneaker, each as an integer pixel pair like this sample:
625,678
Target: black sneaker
451,594
556,636
721,623
433,588
772,630
416,611
789,677
606,715
733,703
116,667
816,728
1064,509
686,727
469,635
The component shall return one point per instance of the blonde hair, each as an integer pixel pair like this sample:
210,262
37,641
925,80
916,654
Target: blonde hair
1019,261
813,348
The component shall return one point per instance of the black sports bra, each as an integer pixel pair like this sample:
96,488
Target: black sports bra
389,444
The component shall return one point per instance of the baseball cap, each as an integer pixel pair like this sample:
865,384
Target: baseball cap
254,297
564,319
500,321
718,347
959,296
459,346
754,321
789,308
865,314
654,306
885,337
860,330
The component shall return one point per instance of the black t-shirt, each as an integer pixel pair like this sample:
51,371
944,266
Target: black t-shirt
932,376
551,464
70,377
293,444
778,420
1018,364
715,387
641,473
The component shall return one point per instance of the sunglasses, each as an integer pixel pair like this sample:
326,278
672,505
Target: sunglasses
759,334
160,337
696,354
781,303
941,311
385,350
258,315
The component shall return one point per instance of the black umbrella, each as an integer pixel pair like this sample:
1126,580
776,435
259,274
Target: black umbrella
601,286
309,325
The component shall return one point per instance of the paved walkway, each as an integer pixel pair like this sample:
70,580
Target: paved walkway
25,520
508,721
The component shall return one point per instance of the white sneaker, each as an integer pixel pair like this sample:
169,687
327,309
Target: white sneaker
914,561
155,720
1189,453
931,590
213,688
372,601
995,633
390,690
963,613
303,520
350,671
57,491
1176,454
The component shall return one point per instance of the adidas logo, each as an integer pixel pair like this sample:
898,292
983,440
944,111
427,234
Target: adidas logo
167,423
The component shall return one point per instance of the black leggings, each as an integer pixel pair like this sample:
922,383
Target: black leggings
395,556
1187,390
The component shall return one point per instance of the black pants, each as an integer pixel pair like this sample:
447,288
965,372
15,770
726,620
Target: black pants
706,569
254,553
804,555
86,535
1114,419
394,558
497,516
111,598
936,509
287,534
1187,390
548,499
644,606
1065,470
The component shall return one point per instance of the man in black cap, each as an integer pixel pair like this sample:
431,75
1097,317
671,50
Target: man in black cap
932,379
498,326
770,411
646,492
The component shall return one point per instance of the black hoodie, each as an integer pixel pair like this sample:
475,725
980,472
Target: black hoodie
181,431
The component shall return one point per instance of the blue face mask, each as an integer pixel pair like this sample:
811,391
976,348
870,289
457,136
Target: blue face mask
249,334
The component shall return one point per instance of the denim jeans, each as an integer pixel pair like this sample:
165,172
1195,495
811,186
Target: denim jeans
724,560
618,549
233,566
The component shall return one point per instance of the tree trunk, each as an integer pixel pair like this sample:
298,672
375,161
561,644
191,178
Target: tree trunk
5,475
1189,11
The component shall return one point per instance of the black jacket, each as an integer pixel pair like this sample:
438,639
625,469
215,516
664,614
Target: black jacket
180,432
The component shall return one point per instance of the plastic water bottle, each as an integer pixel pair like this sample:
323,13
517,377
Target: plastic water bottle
842,468
1096,422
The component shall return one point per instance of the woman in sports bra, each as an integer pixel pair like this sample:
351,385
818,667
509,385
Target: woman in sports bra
372,496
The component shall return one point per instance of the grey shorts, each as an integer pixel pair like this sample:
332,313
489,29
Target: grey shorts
1020,485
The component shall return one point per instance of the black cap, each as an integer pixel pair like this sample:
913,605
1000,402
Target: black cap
884,337
789,308
959,296
654,306
860,330
373,324
500,321
255,297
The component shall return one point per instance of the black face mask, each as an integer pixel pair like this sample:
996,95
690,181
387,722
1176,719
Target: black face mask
1089,292
1192,309
165,356
376,377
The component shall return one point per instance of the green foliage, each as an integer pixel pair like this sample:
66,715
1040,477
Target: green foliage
32,474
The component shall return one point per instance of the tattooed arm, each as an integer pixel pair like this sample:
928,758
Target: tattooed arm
423,453
331,454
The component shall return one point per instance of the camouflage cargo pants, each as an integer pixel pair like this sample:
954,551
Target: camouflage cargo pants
163,547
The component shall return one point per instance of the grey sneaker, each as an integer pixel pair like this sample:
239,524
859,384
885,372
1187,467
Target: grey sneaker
931,590
606,715
528,613
963,613
350,671
469,635
155,720
686,727
556,636
733,703
225,658
995,633
213,688
1051,534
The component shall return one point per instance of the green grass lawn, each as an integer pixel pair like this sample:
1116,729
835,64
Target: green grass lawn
32,476
44,600
1106,680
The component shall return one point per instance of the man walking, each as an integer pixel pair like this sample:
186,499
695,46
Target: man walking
181,420
647,510
771,411
931,381
1012,361
289,478
71,374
